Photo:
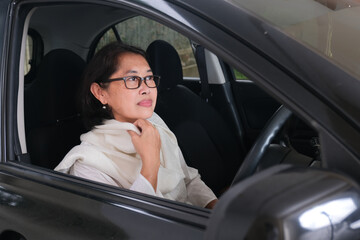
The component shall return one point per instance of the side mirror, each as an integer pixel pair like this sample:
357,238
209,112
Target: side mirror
284,202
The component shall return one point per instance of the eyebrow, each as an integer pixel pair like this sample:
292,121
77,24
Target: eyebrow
134,71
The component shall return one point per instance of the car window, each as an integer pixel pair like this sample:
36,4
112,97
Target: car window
58,81
28,54
141,31
320,25
239,75
34,49
108,37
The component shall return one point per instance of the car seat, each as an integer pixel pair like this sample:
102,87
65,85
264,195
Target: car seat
203,135
52,121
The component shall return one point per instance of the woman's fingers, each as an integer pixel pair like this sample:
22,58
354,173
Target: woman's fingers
149,134
142,123
147,145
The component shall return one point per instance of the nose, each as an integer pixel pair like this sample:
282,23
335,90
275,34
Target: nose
144,89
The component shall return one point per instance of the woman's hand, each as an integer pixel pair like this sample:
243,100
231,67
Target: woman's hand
147,145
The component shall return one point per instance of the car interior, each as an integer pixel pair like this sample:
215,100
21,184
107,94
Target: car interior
215,111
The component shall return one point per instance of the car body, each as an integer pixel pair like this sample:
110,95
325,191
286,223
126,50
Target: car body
300,54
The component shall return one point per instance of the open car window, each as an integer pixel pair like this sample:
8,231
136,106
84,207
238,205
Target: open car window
53,127
141,31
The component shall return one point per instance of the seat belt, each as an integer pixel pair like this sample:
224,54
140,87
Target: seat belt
201,62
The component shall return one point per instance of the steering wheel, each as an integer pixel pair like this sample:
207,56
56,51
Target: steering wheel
253,158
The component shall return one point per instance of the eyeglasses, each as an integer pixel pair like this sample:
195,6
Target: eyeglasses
134,82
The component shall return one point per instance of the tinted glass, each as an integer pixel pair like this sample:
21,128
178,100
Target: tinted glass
330,27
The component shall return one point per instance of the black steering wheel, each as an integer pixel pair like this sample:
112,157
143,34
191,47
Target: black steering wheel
253,158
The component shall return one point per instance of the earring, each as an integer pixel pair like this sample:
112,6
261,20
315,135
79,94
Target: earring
104,107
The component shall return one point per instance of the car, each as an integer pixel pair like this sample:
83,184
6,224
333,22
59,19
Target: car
262,95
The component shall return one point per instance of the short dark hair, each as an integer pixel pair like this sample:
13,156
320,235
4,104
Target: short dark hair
100,68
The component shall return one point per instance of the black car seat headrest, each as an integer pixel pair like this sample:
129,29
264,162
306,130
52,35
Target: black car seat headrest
52,121
165,62
53,94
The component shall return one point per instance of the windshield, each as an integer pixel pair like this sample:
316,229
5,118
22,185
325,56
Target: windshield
331,27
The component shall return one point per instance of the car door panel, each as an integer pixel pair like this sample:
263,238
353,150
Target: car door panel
49,207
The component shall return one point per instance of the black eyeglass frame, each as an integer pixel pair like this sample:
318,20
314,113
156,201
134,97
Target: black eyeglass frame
156,79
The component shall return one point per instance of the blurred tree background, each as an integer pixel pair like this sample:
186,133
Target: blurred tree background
140,31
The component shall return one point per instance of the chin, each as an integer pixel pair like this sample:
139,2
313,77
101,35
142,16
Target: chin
146,115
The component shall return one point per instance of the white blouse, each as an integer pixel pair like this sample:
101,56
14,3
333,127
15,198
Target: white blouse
141,184
198,193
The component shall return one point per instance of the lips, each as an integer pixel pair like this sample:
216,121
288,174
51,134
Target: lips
145,103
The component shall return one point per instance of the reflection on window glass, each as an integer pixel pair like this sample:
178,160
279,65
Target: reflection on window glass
140,31
330,27
239,75
107,38
28,54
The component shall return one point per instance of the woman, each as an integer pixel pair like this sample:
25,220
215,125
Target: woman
129,145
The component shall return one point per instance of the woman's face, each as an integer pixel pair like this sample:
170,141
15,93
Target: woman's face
128,105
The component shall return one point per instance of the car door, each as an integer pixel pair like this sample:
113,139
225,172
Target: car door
55,205
37,204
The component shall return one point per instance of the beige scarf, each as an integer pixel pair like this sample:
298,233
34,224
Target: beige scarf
109,148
